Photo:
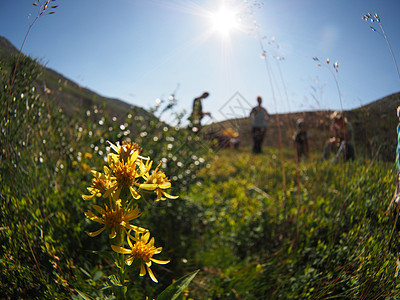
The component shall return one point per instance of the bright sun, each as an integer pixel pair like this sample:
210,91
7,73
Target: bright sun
224,21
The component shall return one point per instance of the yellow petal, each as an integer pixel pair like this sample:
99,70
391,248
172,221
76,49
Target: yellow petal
121,250
114,157
151,243
129,261
114,147
146,237
96,233
158,250
88,197
135,228
145,168
129,241
130,237
113,233
133,156
165,185
110,190
134,193
160,262
142,270
152,275
109,161
169,196
159,195
106,171
91,216
94,173
148,186
117,193
133,214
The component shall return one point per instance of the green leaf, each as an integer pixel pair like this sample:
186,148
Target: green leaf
175,289
114,280
97,275
85,272
106,286
83,295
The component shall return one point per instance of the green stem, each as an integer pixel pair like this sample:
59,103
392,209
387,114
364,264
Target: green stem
123,271
120,259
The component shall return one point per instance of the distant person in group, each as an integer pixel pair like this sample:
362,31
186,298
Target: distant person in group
259,116
301,139
198,113
342,140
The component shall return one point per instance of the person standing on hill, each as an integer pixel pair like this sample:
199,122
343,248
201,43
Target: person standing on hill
198,113
259,116
342,140
301,139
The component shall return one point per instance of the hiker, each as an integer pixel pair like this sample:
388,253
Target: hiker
342,140
198,113
259,116
301,139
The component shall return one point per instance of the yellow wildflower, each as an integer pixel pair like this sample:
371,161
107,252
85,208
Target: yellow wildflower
125,176
100,184
125,151
129,152
157,182
88,155
114,219
143,250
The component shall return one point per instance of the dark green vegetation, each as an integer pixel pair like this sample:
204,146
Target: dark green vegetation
323,236
256,228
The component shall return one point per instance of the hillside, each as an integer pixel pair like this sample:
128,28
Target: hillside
67,94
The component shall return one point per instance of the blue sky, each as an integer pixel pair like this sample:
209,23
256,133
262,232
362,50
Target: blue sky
138,51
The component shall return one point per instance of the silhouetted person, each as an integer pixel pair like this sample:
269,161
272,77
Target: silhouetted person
259,116
301,139
198,113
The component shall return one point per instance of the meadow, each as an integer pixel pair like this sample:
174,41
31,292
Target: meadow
81,190
244,226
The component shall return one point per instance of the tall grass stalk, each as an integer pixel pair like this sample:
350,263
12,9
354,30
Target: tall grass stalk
272,82
268,69
43,10
290,128
376,19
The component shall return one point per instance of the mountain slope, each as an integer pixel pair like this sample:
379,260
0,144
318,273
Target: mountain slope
67,94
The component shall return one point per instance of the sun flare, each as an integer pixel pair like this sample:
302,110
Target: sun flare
224,20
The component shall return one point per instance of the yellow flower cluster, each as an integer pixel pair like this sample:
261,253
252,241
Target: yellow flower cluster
127,178
143,249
